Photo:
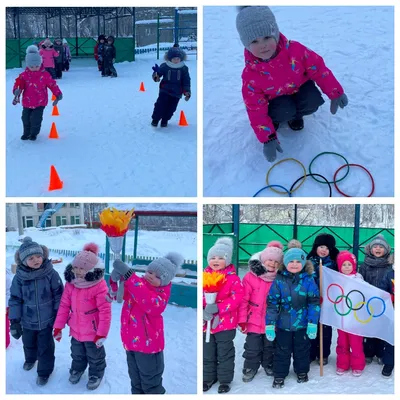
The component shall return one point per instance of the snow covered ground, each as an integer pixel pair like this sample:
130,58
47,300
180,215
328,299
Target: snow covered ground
357,44
180,337
106,146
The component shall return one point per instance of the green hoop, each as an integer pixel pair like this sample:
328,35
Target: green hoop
336,154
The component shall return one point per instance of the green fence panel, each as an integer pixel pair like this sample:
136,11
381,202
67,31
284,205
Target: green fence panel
125,50
12,54
218,228
367,234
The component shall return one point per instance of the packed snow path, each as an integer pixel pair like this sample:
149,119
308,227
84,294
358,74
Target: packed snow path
357,44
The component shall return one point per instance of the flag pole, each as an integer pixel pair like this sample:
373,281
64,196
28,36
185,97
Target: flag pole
321,346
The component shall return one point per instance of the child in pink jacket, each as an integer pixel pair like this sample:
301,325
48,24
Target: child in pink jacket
88,314
279,78
142,324
48,54
349,349
253,308
219,353
33,84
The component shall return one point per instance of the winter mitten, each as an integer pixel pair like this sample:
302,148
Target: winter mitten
57,334
120,293
243,327
215,322
341,102
15,329
99,341
270,332
156,69
270,149
112,291
17,92
120,270
187,96
58,98
256,267
311,330
207,316
155,77
212,308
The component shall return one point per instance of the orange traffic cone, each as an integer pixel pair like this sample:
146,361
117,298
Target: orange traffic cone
182,120
55,112
53,132
142,89
53,97
55,182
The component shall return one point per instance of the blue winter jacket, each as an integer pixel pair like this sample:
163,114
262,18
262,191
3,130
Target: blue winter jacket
293,300
175,79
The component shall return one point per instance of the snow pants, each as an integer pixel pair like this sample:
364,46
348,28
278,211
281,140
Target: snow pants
349,350
7,330
108,68
66,65
59,69
39,345
326,343
164,107
32,121
219,357
145,371
52,72
388,354
258,350
84,353
288,343
288,107
373,347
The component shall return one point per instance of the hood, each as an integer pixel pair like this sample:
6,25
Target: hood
28,274
95,275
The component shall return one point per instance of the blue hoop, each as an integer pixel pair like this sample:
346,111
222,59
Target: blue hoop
270,186
384,306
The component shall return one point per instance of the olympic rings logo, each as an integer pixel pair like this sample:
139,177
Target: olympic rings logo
358,306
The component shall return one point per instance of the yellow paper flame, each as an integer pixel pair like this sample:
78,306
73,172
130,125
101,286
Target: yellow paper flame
115,222
212,280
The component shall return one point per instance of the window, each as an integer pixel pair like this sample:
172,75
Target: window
27,222
48,222
74,205
72,220
63,220
77,220
58,220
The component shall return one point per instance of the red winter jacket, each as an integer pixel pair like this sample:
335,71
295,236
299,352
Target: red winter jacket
263,81
33,85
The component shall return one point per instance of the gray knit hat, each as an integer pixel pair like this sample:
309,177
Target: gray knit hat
165,267
223,247
381,241
176,52
33,58
255,22
29,248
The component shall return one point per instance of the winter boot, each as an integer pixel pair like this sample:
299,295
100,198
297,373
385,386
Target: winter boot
357,372
94,382
28,366
164,124
224,388
368,360
154,123
75,376
248,374
207,385
269,371
387,371
24,137
276,125
278,383
296,124
340,371
301,378
33,138
42,380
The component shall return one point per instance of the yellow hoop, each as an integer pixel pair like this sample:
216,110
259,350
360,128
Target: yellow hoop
365,321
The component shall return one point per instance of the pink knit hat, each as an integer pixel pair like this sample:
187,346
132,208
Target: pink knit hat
87,258
346,256
273,251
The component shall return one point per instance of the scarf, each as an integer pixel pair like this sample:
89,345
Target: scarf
82,283
28,274
268,276
377,262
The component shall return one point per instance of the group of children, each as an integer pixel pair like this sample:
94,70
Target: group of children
39,308
277,306
105,55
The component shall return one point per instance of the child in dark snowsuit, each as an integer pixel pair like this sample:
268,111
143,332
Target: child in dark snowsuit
67,55
323,249
292,315
34,300
59,60
33,84
98,51
109,55
175,82
377,263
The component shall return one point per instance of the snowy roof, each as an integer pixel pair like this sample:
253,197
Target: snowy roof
155,206
187,11
154,21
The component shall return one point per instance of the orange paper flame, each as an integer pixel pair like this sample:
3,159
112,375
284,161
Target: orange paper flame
115,222
213,281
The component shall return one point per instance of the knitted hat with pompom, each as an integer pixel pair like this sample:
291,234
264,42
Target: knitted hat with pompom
273,251
87,258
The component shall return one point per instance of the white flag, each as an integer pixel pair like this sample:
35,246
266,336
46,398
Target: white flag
356,307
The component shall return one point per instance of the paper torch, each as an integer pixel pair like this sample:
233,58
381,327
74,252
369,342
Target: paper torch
115,224
212,283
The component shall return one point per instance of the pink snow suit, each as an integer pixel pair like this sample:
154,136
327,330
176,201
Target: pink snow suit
86,311
142,324
293,65
228,300
48,57
253,308
33,85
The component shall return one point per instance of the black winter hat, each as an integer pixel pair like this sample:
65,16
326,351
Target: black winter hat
111,38
101,37
325,239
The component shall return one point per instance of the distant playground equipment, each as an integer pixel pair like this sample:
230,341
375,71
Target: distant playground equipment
50,209
335,181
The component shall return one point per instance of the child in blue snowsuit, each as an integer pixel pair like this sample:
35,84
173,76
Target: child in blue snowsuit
292,316
175,82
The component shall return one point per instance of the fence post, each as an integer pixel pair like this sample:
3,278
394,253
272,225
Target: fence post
295,222
107,262
136,236
158,36
176,32
356,235
236,225
123,249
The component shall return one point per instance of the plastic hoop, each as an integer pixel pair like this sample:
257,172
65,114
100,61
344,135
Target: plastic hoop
353,165
321,176
336,154
280,162
269,186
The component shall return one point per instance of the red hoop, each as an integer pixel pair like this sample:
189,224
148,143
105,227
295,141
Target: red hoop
353,165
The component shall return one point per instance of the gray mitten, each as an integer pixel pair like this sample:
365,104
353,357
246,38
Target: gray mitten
17,92
341,102
212,308
270,149
120,269
207,316
215,322
58,98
